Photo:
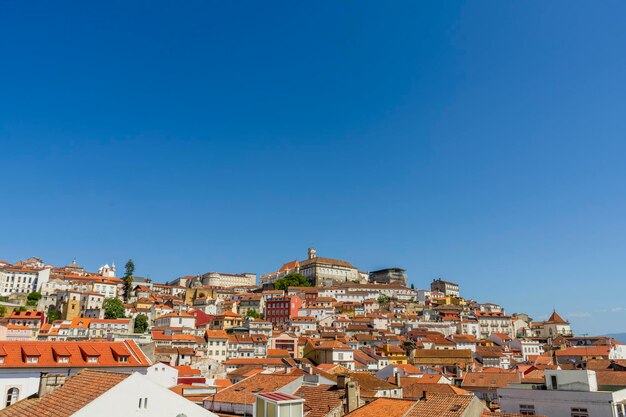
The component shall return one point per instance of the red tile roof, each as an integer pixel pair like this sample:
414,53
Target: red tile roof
78,353
388,407
442,405
78,391
555,318
242,391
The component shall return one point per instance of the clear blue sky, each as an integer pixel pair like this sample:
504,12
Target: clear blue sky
480,141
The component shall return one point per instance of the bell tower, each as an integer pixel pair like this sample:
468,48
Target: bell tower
312,253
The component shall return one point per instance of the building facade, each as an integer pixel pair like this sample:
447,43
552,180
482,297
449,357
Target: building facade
389,276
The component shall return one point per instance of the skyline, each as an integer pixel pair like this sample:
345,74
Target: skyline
572,317
478,142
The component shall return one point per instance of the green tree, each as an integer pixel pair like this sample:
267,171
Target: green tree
141,323
113,308
291,280
3,311
412,286
253,314
21,308
33,298
53,315
128,279
383,299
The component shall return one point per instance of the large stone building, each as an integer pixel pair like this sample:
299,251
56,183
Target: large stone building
219,279
319,271
389,276
446,287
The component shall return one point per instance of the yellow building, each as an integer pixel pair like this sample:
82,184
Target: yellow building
395,354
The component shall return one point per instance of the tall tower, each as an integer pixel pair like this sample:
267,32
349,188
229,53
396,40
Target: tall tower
312,253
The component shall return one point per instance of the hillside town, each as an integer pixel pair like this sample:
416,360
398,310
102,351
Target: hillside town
318,337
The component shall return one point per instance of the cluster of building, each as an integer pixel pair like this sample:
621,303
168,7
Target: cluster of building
351,343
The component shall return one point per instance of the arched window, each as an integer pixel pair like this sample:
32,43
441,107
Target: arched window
12,396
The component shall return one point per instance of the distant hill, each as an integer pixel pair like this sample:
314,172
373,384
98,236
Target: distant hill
620,337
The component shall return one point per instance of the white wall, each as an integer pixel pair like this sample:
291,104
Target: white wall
27,379
162,374
552,403
123,400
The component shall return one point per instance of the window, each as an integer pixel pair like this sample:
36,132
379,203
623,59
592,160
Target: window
620,410
92,359
527,409
32,359
553,381
579,412
12,396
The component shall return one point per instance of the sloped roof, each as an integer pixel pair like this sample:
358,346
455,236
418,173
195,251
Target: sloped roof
78,391
320,400
388,407
327,261
611,378
414,388
104,350
555,318
489,380
244,390
442,405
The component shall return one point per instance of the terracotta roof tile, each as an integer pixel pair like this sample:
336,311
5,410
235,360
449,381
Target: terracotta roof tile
244,390
78,391
388,407
489,380
442,405
320,400
79,352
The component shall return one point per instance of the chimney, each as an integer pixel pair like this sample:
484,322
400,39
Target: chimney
423,397
353,396
43,381
342,381
49,382
398,380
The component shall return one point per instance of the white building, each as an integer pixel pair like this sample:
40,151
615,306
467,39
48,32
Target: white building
102,394
163,374
176,320
220,279
494,323
100,328
107,271
553,327
22,279
217,345
564,394
527,347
